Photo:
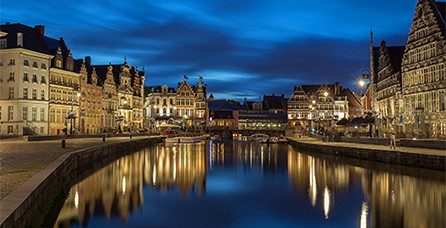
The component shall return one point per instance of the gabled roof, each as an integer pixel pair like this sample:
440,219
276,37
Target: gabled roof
32,38
396,56
351,98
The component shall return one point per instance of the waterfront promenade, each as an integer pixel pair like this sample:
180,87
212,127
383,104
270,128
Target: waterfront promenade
20,160
414,150
409,156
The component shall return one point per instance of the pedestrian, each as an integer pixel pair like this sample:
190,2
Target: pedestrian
392,138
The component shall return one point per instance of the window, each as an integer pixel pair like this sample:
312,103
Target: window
0,112
34,94
34,114
42,114
43,66
25,77
10,113
25,113
11,76
3,43
34,78
25,62
10,130
25,93
11,93
43,79
59,63
12,62
35,64
42,94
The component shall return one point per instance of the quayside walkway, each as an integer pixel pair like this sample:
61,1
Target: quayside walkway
20,160
409,156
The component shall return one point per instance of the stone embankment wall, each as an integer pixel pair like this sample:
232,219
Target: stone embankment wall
40,196
394,157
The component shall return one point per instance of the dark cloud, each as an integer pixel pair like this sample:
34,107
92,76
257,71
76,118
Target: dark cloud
242,48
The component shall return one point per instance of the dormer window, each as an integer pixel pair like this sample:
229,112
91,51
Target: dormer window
59,63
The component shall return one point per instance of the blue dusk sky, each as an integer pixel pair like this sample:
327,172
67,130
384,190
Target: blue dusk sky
242,48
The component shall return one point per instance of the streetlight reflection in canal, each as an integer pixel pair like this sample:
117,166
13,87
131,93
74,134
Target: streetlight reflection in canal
250,184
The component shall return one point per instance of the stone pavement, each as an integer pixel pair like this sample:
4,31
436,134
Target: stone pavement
413,150
20,160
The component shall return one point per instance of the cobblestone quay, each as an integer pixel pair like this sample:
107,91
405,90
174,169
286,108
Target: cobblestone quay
407,156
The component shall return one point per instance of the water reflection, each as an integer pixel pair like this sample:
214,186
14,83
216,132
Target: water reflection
335,190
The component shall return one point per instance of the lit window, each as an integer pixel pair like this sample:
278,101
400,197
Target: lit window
10,113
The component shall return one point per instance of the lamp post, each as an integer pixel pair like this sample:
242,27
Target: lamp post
72,116
185,120
79,121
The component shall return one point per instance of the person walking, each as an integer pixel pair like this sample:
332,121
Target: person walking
392,138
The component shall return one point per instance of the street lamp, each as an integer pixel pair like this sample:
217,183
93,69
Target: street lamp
185,119
72,115
79,103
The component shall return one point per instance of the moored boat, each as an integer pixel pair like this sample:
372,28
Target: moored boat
172,140
190,139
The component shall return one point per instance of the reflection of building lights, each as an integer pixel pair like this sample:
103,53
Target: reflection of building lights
174,167
313,185
326,201
123,185
76,200
154,176
393,196
364,212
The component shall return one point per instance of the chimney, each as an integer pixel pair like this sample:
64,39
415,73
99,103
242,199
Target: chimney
41,29
19,39
88,60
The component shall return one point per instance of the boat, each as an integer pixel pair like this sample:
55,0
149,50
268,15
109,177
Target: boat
215,137
172,140
192,139
263,138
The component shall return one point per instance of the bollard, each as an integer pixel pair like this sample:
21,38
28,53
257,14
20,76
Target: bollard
63,143
103,138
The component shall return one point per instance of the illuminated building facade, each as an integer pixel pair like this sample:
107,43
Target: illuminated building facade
424,72
24,80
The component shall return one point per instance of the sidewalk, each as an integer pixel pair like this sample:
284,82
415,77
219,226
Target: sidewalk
412,150
21,160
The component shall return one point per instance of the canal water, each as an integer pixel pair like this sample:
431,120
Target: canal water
244,184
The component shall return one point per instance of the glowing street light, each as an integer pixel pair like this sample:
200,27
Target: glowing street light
361,83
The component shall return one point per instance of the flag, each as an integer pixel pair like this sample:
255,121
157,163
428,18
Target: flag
200,77
185,77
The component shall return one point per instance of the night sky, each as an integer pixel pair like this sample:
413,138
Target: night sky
241,48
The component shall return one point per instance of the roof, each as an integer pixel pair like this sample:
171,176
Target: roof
274,102
157,89
396,57
32,38
224,105
222,114
352,99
